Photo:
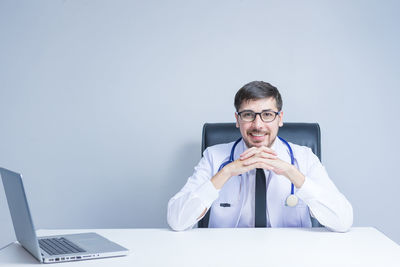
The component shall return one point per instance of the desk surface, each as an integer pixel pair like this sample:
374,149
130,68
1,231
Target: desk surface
361,246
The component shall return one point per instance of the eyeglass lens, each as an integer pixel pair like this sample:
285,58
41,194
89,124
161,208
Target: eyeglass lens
266,116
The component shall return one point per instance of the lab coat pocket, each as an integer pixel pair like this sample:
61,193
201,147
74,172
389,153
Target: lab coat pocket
224,214
226,207
297,216
230,192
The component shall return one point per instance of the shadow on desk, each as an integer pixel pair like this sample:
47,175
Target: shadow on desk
314,229
17,255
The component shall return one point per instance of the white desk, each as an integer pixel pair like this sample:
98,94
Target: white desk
293,247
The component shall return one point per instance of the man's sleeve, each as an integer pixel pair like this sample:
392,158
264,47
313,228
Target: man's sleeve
326,203
197,195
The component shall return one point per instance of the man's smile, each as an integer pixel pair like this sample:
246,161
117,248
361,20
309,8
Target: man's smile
254,134
257,136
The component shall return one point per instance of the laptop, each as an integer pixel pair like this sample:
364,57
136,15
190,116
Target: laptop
51,249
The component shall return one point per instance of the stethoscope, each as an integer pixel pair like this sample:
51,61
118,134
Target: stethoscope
292,199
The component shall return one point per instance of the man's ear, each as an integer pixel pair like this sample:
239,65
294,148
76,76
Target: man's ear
280,119
237,120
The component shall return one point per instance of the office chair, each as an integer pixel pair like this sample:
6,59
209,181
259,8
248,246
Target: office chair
305,134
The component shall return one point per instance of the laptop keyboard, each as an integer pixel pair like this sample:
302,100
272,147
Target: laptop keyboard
56,246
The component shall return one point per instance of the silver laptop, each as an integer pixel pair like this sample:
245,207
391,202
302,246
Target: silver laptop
51,249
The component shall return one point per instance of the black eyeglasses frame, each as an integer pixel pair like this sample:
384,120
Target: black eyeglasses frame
258,113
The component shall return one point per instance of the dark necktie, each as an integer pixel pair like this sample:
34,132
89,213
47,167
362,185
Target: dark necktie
261,209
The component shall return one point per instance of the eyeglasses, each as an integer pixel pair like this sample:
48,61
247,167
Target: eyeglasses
265,115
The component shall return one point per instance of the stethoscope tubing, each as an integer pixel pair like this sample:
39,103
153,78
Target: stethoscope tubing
232,154
291,160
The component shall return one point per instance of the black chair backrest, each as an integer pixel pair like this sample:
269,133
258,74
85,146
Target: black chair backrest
305,134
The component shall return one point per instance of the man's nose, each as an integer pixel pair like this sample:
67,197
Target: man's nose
258,123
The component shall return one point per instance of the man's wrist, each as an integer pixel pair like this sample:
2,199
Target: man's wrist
226,171
221,177
295,176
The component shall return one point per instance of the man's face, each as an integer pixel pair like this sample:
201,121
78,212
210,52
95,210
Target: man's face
259,133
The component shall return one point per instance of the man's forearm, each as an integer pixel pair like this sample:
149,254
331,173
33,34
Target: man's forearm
295,176
221,177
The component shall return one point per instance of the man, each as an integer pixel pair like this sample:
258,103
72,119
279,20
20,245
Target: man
261,158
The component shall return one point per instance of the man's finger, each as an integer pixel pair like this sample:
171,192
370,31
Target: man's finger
257,160
253,151
250,150
261,154
268,155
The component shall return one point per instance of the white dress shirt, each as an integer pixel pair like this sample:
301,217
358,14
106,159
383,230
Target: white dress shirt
318,195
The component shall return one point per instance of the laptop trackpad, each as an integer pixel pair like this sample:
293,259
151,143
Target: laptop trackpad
93,242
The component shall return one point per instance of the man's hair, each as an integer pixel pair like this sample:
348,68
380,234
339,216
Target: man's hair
257,90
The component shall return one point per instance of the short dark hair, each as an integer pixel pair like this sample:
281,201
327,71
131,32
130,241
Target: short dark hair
257,90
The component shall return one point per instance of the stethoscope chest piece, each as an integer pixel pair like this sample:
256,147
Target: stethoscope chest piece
292,200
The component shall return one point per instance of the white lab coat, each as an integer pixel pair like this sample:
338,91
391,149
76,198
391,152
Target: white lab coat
318,195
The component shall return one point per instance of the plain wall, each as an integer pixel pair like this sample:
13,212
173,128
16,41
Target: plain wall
102,103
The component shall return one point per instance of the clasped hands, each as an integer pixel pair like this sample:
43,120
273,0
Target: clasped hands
264,158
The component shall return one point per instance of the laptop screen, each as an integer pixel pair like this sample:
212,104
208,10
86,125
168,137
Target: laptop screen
19,210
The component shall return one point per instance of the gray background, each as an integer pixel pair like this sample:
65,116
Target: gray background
103,102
